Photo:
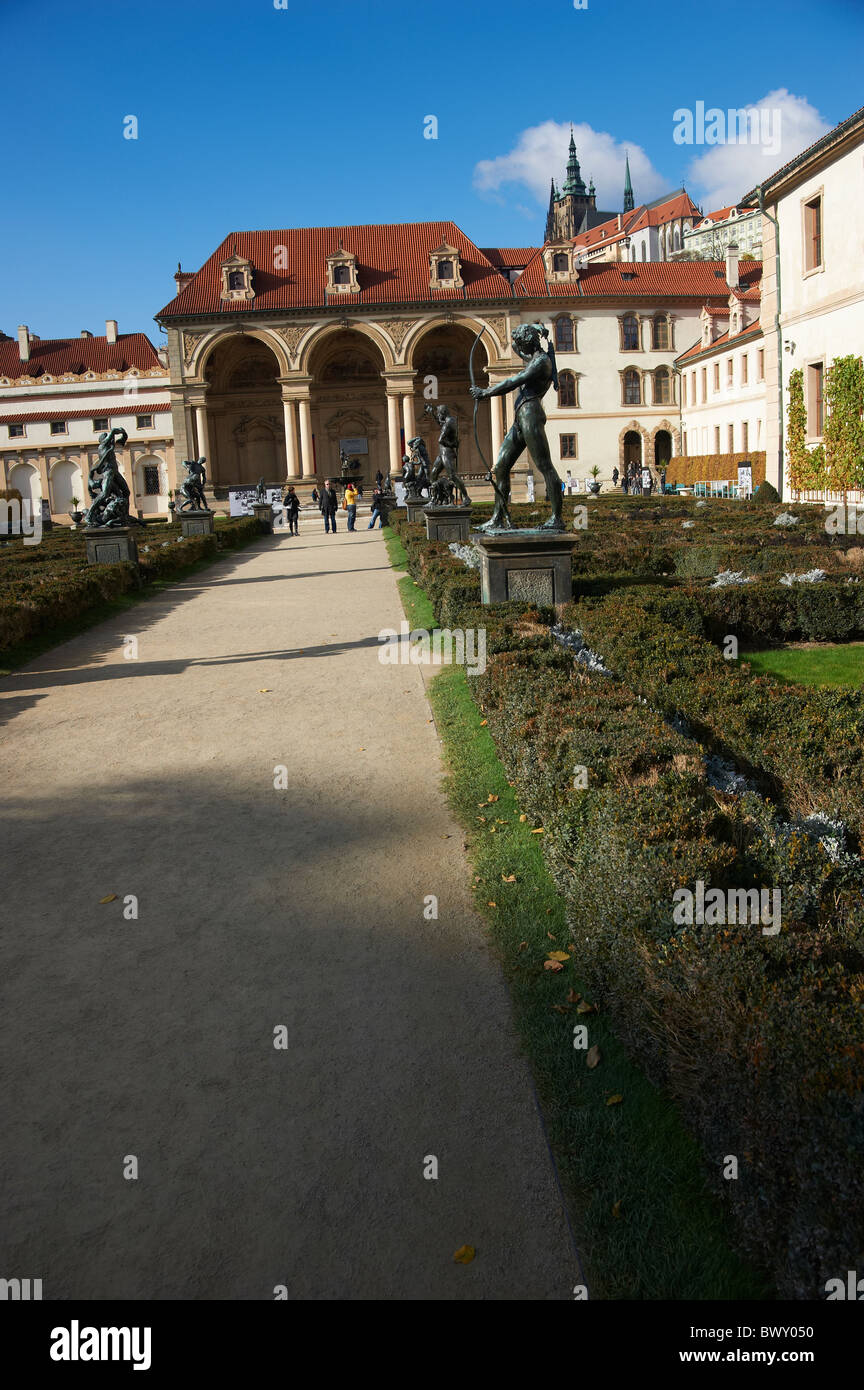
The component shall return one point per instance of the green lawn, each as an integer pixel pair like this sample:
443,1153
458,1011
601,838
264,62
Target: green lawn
825,664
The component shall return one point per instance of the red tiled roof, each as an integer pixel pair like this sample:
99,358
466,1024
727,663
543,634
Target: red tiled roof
509,256
392,268
36,417
722,340
59,355
624,279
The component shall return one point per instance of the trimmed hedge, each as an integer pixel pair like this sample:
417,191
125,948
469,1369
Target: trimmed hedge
760,1040
44,585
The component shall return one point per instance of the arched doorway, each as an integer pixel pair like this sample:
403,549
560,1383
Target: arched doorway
349,404
25,479
662,448
440,359
632,450
66,483
151,485
245,420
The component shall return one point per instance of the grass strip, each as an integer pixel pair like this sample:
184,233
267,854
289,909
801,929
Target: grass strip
825,664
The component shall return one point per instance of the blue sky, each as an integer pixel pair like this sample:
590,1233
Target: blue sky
253,116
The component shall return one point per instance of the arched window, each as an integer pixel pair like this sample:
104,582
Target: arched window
632,253
566,389
677,238
643,251
662,386
629,333
564,335
660,332
342,275
632,387
560,261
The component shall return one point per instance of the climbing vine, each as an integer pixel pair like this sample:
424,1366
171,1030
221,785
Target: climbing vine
838,462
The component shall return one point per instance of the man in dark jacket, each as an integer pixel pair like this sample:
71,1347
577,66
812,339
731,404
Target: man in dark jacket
291,505
328,503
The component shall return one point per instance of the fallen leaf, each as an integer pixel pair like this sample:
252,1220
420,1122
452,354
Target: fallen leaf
561,1008
111,898
551,937
558,955
552,965
522,945
361,750
616,1209
491,904
483,723
491,797
592,1057
585,1008
573,997
508,878
446,837
492,829
265,691
614,1100
464,1255
537,832
523,817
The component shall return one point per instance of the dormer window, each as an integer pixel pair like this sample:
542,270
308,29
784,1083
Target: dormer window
560,262
341,268
445,268
237,278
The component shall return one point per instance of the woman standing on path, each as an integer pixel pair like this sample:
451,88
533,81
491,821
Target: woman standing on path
351,505
292,510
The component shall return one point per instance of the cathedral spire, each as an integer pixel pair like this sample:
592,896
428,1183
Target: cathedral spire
573,184
550,216
628,187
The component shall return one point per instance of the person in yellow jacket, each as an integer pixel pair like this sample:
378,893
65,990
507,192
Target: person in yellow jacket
350,500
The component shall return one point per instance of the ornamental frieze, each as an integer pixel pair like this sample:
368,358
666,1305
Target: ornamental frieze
292,335
397,328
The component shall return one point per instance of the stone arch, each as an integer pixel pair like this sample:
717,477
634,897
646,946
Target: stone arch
65,481
490,341
633,428
666,427
208,345
328,330
25,478
150,503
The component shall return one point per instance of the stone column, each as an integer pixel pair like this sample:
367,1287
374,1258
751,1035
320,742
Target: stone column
292,472
408,420
307,455
393,434
202,433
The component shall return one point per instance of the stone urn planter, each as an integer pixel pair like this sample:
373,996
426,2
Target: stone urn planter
594,488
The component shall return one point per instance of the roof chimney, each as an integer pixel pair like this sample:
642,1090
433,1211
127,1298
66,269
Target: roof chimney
23,342
85,333
182,278
732,265
110,330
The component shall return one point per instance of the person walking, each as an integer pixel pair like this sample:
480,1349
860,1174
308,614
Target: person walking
328,503
615,476
291,505
351,505
379,510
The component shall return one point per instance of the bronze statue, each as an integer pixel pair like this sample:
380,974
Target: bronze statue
260,494
528,428
106,484
415,470
192,487
446,460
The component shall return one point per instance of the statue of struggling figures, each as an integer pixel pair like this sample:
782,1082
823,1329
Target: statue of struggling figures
448,448
106,484
528,428
192,486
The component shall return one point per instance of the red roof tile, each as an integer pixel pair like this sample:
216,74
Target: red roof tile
626,279
509,256
36,417
392,268
722,340
59,355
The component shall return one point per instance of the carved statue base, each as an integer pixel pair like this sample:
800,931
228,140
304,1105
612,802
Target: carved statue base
195,521
110,545
526,566
447,523
263,513
416,508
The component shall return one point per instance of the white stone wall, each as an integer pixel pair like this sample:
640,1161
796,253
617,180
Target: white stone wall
734,404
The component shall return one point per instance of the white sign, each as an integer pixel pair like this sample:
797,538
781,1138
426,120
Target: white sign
358,445
745,479
646,479
240,499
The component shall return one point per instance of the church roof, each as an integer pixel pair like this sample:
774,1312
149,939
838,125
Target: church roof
392,262
57,356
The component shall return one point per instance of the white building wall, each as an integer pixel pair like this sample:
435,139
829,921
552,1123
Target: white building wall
736,404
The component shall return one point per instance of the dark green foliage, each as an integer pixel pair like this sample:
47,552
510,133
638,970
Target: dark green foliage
766,492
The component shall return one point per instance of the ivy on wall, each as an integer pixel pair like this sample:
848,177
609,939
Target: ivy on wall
714,468
838,462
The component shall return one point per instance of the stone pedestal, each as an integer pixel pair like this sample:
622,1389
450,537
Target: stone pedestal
416,508
110,545
447,523
196,522
263,513
526,566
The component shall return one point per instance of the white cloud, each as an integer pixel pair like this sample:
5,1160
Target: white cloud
540,154
725,172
